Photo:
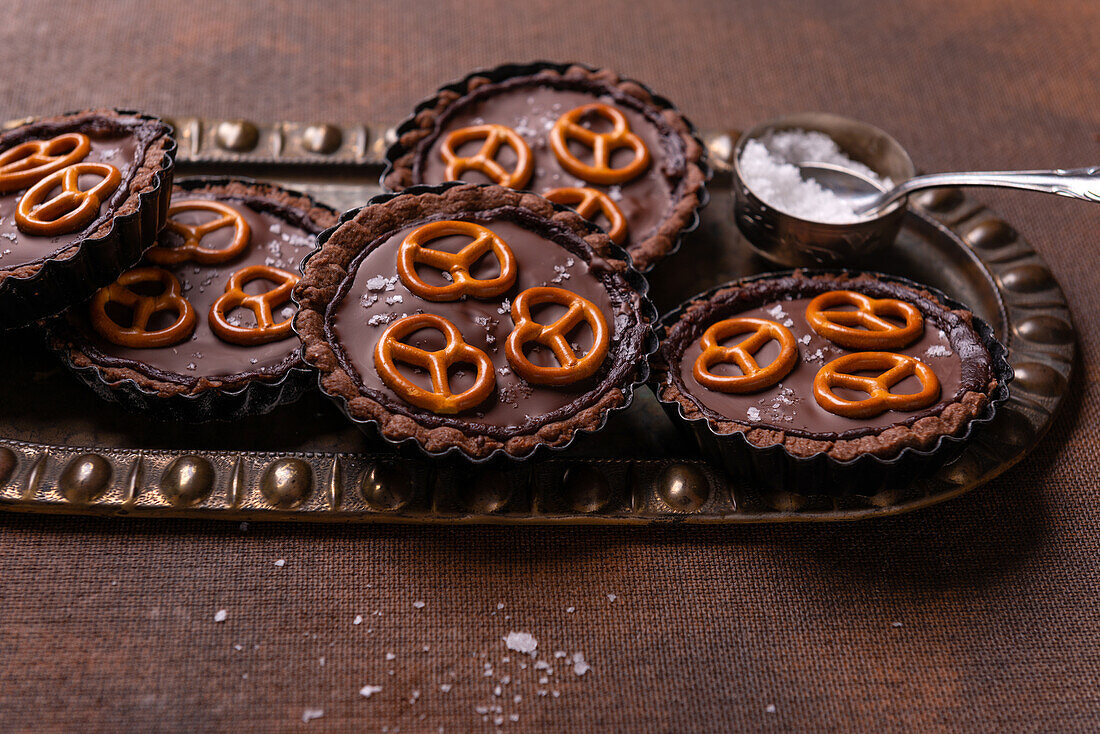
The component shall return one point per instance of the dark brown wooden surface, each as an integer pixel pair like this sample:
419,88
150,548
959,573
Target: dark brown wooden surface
979,614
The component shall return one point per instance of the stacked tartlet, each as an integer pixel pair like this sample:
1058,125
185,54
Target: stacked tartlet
607,146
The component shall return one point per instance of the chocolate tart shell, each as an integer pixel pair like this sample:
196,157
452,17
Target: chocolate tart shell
31,291
326,270
204,399
777,467
692,194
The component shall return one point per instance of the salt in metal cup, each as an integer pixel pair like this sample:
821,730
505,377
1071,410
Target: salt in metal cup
795,242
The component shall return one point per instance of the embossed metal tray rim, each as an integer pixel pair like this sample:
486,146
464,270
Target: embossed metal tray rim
382,487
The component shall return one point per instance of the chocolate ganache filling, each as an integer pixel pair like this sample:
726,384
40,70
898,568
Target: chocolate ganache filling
280,238
121,142
530,106
374,296
948,345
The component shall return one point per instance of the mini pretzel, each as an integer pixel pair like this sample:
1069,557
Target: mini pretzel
414,250
603,145
572,368
266,328
390,349
589,203
137,334
896,367
485,158
877,333
73,207
27,163
743,354
192,235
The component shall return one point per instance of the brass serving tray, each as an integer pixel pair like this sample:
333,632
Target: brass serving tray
62,450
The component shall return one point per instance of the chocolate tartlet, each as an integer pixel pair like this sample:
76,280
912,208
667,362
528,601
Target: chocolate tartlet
584,137
201,328
81,197
474,319
821,381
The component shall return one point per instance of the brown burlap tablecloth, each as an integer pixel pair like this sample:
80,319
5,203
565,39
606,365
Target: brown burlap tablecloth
977,614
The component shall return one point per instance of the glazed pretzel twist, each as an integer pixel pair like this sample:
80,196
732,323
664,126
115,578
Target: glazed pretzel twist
895,368
840,327
569,127
743,354
192,235
260,304
137,335
572,368
390,350
590,203
414,250
27,163
73,208
485,159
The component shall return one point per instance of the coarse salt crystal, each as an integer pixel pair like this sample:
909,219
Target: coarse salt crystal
754,414
220,615
418,604
358,619
310,714
368,691
281,562
521,642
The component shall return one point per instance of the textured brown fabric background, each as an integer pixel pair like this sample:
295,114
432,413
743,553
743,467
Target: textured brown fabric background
979,614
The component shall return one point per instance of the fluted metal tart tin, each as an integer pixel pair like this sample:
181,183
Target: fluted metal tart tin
214,403
396,149
633,278
778,469
62,450
62,282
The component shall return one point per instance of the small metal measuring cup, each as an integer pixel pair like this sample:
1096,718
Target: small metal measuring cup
795,242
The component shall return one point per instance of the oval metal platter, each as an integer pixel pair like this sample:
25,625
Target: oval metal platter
63,451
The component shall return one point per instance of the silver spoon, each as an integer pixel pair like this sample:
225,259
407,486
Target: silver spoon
868,197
